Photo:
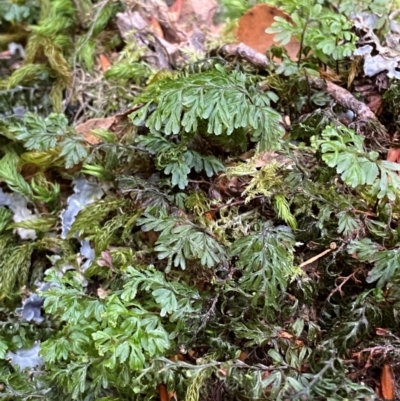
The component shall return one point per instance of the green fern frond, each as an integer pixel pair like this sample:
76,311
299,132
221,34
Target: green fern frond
224,101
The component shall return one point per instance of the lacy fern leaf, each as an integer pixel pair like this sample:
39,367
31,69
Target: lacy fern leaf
225,101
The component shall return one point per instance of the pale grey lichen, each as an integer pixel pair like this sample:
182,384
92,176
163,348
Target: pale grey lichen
375,64
387,57
86,192
88,253
32,308
26,357
18,205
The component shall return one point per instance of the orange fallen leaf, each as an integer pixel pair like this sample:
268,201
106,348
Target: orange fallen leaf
175,10
172,395
104,62
242,356
176,358
393,155
163,392
382,332
156,27
285,334
210,216
387,383
152,237
95,123
253,24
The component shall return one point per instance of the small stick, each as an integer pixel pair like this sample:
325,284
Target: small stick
316,257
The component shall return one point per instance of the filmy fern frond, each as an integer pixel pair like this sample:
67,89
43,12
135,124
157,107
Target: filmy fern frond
53,132
225,101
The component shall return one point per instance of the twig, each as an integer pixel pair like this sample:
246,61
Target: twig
364,212
345,280
344,98
382,348
246,52
207,315
236,203
316,257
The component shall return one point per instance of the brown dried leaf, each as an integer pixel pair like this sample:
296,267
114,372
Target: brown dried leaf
268,157
375,103
382,332
156,27
387,383
95,123
253,24
163,392
285,334
113,124
175,10
177,357
104,63
198,13
152,237
393,155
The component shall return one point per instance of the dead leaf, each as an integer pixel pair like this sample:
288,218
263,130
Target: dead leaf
253,24
247,155
104,63
210,215
102,293
172,395
375,103
175,10
95,123
156,27
113,124
176,358
330,75
372,89
198,13
382,332
163,392
285,334
152,237
266,158
230,187
387,383
393,155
